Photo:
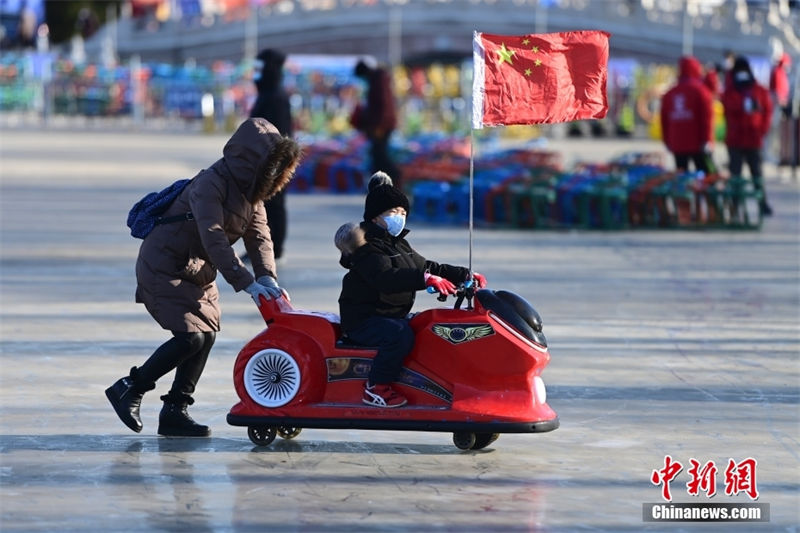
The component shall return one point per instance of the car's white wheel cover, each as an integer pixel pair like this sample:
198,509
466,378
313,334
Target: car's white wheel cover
272,378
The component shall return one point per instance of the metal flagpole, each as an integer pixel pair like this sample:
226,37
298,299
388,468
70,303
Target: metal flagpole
471,185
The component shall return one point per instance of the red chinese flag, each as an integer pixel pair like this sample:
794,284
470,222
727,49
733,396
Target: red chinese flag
539,78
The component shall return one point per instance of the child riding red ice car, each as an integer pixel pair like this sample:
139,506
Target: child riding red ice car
475,372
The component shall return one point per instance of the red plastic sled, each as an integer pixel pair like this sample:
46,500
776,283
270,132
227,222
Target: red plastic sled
475,372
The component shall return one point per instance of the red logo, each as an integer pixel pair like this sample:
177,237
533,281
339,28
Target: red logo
703,478
739,477
666,475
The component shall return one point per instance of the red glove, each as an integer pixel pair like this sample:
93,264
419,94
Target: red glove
479,279
440,284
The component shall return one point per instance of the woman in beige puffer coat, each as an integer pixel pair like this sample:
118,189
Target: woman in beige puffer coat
178,264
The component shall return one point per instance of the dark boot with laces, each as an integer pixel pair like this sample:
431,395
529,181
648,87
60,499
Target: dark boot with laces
174,421
126,397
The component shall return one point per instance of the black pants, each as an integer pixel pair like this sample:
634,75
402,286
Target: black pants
380,159
751,156
187,354
702,162
277,221
394,339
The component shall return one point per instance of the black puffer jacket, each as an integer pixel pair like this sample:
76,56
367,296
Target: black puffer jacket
272,102
384,276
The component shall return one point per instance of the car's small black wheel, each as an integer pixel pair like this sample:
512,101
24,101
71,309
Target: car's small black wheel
464,440
262,435
288,432
482,440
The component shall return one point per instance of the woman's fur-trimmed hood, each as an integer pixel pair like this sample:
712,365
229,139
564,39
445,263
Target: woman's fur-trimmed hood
254,155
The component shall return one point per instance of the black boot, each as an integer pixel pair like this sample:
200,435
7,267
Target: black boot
126,397
174,421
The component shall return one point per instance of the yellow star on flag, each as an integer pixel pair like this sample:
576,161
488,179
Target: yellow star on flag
504,54
526,41
527,72
535,49
537,62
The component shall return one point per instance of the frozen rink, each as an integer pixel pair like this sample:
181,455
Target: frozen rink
680,343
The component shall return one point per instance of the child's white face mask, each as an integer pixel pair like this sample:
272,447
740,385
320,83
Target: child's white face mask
395,224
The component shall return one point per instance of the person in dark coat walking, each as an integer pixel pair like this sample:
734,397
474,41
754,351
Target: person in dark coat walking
384,273
377,118
272,104
748,115
178,264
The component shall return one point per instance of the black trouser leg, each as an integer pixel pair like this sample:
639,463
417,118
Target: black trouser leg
735,160
187,353
754,163
379,155
171,354
681,162
701,162
188,372
753,159
277,220
751,156
394,339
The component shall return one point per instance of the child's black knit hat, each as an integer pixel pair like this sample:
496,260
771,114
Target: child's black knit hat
383,195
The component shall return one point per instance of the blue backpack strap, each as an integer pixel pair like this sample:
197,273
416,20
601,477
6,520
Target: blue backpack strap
176,218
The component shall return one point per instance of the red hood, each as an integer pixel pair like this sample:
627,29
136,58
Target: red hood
690,67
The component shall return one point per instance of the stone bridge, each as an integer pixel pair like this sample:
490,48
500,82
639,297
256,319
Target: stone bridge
408,30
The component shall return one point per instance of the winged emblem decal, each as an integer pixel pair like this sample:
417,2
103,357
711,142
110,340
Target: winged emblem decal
458,333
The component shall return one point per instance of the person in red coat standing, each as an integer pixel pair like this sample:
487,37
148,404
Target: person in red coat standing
779,82
780,89
686,118
377,118
711,80
748,114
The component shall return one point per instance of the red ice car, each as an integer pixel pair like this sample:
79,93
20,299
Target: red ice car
474,371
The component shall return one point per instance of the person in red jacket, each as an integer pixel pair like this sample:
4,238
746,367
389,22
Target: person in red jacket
748,114
779,82
711,80
377,118
686,117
